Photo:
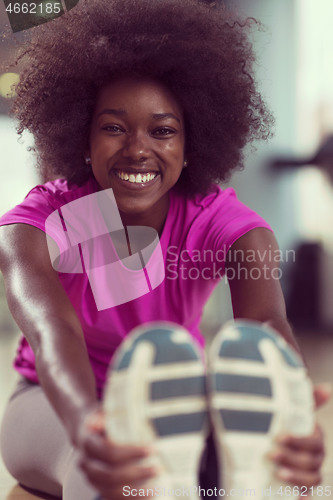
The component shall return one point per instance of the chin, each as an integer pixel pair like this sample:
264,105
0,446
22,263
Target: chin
134,209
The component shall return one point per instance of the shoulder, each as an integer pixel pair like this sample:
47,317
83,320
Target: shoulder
42,200
221,206
59,192
209,201
220,219
22,229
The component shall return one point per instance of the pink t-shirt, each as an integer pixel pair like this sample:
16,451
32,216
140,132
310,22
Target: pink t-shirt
196,237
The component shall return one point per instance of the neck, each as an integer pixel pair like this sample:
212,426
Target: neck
155,218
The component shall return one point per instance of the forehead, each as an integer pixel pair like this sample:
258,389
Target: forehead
136,93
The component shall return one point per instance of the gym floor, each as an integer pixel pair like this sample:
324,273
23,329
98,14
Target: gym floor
317,350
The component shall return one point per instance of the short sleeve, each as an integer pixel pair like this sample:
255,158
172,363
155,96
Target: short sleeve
221,223
43,200
41,208
34,210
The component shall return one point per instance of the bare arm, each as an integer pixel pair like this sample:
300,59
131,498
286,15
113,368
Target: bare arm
298,460
259,298
45,315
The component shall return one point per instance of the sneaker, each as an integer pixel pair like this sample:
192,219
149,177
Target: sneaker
156,394
258,389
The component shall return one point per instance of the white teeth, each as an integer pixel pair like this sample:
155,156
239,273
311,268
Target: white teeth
138,178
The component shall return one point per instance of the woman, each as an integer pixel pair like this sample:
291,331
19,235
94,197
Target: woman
154,100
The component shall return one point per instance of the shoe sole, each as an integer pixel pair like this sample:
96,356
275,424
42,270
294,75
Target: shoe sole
258,389
156,394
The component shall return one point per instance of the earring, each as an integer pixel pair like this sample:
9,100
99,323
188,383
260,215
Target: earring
185,164
88,161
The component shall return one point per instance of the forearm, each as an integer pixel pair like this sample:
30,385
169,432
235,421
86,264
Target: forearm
283,327
52,328
65,373
47,318
278,322
259,299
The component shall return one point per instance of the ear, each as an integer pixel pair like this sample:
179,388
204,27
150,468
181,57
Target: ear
185,162
87,158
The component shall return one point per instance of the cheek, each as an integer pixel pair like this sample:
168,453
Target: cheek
102,146
99,148
175,150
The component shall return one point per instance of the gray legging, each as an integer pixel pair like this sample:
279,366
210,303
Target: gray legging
37,452
36,449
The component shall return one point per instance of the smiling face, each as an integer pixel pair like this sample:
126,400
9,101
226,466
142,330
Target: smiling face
137,147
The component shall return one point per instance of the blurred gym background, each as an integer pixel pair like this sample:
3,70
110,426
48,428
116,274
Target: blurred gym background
288,180
285,180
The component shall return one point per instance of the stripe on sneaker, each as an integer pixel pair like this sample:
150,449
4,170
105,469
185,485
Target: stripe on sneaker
247,346
166,351
237,350
175,388
226,382
246,421
180,424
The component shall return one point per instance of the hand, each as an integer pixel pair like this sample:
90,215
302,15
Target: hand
109,466
299,459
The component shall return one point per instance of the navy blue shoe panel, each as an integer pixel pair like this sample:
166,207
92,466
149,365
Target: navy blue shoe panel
166,351
246,421
176,388
246,347
180,424
227,382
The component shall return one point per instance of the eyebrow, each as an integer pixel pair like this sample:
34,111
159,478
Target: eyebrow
117,112
122,112
162,116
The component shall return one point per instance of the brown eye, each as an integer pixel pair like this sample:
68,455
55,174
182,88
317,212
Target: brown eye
163,131
113,129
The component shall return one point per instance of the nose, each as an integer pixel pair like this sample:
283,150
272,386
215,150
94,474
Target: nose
136,146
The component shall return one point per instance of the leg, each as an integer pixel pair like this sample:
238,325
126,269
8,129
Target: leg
156,394
259,388
208,473
36,449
